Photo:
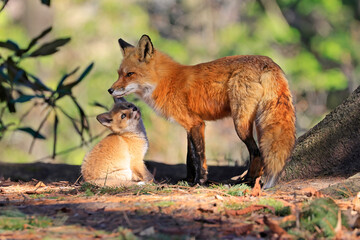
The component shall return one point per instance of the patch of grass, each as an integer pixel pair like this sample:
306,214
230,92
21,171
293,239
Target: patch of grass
321,214
11,213
219,186
110,190
235,205
35,196
284,211
13,219
167,190
164,203
90,189
89,193
49,191
239,190
342,193
54,197
236,190
280,209
183,184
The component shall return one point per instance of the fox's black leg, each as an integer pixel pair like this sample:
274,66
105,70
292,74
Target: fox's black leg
256,164
196,161
190,160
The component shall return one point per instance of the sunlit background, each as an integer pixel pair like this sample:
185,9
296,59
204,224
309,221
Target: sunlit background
315,42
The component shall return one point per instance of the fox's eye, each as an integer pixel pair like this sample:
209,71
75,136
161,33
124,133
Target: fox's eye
123,116
129,74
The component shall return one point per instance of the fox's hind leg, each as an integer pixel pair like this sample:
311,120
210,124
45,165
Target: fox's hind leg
196,160
245,92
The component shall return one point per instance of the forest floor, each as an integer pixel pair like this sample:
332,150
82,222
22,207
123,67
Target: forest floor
307,209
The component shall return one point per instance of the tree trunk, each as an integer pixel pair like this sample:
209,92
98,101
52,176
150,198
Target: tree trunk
332,147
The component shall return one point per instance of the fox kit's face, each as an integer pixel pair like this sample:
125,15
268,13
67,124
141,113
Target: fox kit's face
123,117
134,72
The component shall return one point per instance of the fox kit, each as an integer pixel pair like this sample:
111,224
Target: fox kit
247,88
118,158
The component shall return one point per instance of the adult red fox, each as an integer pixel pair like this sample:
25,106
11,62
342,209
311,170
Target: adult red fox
247,88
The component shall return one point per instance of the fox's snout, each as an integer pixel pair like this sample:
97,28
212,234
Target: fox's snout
111,90
114,91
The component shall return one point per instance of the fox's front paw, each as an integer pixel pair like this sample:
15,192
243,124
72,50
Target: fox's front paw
203,181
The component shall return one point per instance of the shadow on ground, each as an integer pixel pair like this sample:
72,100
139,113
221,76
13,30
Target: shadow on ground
48,172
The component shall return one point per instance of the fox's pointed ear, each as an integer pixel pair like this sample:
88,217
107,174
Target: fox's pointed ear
119,100
105,119
124,46
145,48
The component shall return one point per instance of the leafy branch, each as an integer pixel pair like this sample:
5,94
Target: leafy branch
18,86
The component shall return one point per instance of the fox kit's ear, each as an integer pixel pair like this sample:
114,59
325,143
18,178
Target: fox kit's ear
124,46
119,100
105,119
145,48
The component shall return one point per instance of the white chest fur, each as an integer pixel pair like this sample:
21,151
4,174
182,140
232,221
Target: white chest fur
146,95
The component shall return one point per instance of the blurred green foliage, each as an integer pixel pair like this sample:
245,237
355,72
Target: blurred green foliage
315,42
18,86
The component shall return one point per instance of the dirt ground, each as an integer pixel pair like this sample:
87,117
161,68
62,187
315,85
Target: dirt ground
68,210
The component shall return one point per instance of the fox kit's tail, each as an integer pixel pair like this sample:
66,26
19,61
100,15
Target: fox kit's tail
275,123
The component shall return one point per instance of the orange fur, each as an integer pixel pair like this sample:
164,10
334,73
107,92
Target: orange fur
247,88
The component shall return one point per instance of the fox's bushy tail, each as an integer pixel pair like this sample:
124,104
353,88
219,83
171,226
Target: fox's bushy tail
275,125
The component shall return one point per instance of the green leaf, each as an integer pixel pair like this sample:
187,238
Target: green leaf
10,45
83,118
17,75
45,2
20,76
39,83
23,98
4,4
34,40
32,132
82,76
3,76
50,48
5,95
66,89
97,104
65,77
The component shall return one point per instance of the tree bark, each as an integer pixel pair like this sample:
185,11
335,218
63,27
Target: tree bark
332,147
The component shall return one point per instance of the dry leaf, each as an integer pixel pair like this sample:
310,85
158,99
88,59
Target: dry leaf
338,228
288,218
275,228
311,192
356,202
249,209
244,229
256,191
205,210
40,184
31,192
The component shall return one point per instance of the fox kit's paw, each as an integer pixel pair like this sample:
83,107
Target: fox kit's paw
149,178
